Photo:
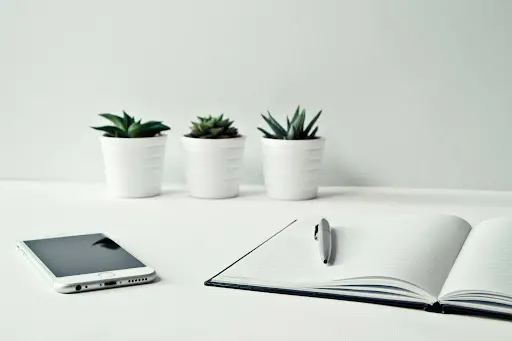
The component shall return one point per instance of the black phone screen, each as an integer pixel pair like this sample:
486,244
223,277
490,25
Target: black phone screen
83,254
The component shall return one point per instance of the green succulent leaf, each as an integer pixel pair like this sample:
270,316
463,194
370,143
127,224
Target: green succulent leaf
128,127
224,123
216,131
278,130
209,127
291,133
294,127
300,124
312,123
296,135
313,133
266,133
134,130
112,131
274,121
116,120
296,114
232,131
152,128
127,120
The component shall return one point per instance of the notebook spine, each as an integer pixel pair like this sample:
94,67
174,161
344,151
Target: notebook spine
435,308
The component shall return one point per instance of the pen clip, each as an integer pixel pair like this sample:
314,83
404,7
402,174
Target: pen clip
316,232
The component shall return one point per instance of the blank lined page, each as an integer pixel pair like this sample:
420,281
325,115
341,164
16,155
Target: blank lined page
420,250
485,262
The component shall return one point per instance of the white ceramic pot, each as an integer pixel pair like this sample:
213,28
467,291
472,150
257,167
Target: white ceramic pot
133,166
213,166
291,168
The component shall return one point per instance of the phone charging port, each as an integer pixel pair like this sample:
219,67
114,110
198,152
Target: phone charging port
108,284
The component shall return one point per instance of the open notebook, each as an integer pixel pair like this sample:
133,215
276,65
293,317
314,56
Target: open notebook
438,262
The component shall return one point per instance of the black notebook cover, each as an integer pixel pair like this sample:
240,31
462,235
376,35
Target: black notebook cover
436,307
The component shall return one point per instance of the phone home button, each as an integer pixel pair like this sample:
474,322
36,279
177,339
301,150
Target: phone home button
106,275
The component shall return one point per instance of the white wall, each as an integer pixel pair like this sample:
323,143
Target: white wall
415,93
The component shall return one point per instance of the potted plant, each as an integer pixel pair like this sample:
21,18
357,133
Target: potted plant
133,155
292,157
214,153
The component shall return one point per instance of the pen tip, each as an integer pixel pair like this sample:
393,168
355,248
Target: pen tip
325,261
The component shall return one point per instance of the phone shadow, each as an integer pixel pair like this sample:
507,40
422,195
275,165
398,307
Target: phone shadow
157,279
336,248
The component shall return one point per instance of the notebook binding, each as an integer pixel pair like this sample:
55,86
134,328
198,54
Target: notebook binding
435,308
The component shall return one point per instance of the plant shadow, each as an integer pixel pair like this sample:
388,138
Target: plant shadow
321,195
169,192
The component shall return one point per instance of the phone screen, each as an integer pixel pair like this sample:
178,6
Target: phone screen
84,254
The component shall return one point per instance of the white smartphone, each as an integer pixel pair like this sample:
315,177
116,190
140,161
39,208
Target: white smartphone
85,262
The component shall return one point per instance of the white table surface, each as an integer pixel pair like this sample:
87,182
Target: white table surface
161,230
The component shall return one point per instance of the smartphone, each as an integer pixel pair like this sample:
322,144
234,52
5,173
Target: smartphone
85,262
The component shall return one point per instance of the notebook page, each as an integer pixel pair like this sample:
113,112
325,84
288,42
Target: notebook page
420,250
485,261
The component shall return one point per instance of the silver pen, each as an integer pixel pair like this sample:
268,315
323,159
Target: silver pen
323,236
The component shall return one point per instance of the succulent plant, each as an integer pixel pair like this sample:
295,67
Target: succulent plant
213,128
127,127
294,128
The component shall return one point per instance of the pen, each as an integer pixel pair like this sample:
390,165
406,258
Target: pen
323,236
